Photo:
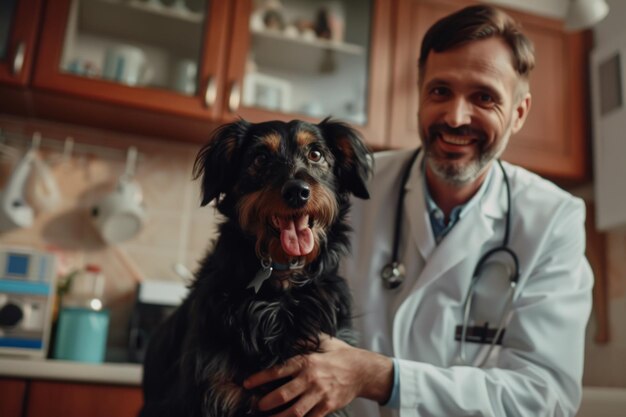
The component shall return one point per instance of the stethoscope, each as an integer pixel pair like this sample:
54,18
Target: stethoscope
393,274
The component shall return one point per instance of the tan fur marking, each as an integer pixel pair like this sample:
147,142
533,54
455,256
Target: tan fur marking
304,138
272,141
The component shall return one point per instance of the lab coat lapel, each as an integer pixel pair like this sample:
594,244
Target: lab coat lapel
416,212
472,231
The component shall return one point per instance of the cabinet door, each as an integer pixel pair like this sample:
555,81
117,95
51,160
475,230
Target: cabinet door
19,20
554,139
59,399
311,59
11,397
161,55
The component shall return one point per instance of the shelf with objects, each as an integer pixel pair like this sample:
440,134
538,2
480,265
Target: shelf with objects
134,43
133,65
311,59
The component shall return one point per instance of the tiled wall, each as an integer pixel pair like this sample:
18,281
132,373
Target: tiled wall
176,230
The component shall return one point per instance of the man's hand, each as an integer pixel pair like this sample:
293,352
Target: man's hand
327,381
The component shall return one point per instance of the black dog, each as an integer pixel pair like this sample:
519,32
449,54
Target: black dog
270,287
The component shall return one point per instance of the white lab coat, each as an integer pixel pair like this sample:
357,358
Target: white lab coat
538,370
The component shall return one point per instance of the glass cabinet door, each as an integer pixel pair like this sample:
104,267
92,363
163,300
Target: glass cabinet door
7,12
18,32
309,57
153,44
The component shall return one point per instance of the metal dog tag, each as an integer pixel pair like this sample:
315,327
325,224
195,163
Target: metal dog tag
261,276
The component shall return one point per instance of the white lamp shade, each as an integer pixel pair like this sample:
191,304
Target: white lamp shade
583,14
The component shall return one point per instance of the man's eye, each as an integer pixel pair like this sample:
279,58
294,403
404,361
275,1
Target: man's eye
485,98
440,91
315,155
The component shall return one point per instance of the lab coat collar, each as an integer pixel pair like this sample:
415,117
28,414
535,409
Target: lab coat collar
475,228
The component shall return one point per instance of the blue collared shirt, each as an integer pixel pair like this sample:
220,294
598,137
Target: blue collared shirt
437,217
440,229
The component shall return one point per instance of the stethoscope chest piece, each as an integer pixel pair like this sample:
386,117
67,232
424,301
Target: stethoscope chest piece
393,275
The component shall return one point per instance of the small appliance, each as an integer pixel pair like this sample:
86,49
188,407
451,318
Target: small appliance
156,300
27,289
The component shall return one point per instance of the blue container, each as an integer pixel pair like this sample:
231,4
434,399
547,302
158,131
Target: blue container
81,334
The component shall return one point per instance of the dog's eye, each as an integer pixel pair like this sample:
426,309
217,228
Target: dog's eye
260,160
315,155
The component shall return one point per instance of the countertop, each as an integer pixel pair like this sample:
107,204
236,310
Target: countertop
104,373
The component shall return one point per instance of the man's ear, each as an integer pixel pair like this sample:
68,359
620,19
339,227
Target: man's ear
521,112
217,163
353,159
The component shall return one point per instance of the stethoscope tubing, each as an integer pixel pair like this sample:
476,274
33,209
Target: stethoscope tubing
396,280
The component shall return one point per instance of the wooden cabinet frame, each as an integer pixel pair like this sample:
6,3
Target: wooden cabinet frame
49,77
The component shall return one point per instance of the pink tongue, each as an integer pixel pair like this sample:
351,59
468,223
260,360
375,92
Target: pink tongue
296,237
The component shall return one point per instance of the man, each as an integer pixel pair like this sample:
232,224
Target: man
474,67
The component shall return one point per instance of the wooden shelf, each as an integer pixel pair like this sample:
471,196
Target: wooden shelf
136,21
274,50
162,10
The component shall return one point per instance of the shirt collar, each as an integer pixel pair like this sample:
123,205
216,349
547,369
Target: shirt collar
459,211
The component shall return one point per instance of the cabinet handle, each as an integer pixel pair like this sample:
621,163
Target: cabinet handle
18,60
235,97
210,94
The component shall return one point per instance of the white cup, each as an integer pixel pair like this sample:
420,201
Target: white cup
126,64
185,76
121,214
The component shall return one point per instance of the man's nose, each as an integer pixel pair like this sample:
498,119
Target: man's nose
458,113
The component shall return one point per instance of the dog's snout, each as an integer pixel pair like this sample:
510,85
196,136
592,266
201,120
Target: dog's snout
296,193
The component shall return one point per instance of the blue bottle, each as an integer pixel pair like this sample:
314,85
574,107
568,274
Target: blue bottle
83,324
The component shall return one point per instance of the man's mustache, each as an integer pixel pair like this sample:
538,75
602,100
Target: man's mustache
465,130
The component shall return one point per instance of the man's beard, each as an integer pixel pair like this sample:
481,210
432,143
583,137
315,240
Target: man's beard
448,167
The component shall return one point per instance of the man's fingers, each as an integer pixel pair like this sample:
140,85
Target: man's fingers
289,368
320,410
282,395
302,406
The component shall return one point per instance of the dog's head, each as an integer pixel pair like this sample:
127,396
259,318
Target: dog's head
284,183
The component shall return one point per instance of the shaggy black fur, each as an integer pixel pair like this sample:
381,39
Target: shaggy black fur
224,331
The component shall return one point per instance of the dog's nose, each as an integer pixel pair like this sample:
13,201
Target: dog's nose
296,193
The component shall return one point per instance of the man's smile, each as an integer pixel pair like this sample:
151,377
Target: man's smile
457,140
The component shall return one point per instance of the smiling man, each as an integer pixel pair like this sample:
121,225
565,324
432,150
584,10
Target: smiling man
472,298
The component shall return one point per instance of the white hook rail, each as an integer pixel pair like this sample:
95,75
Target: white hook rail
12,142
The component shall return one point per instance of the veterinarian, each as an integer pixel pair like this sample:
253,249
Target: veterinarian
481,310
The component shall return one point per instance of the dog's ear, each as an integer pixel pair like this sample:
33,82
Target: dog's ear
353,166
217,161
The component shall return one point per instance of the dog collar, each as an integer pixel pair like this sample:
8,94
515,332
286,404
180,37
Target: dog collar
294,263
267,267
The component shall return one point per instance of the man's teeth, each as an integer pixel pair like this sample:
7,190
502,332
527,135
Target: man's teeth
455,140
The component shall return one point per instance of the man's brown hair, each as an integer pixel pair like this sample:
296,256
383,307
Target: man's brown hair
476,23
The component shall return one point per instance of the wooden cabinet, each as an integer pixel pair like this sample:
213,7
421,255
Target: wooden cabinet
555,139
12,393
61,399
74,81
60,57
382,57
35,398
375,42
